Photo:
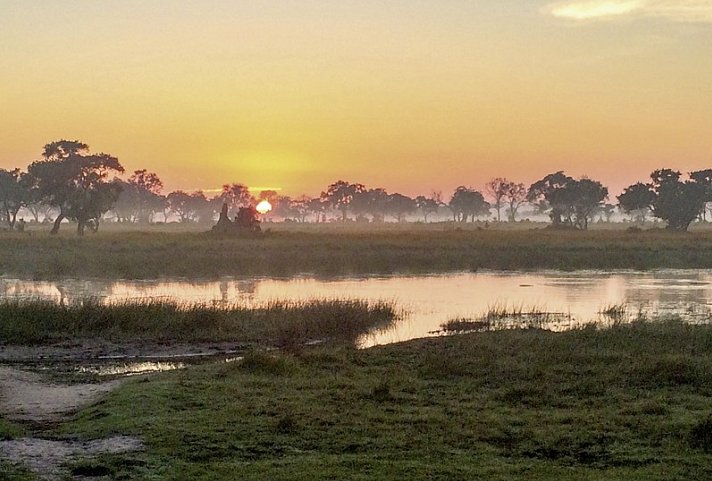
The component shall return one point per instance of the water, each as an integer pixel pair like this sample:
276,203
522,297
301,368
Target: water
428,301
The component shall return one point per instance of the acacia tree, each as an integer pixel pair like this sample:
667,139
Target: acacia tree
589,196
513,196
637,200
14,194
606,211
373,202
340,194
677,202
572,202
428,205
182,204
544,194
496,190
704,178
75,182
148,188
236,195
203,209
468,203
126,206
282,206
399,205
317,206
299,208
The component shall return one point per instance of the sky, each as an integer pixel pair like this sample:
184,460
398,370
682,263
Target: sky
410,95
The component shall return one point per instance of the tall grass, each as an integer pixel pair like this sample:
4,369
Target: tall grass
502,316
136,255
277,323
616,312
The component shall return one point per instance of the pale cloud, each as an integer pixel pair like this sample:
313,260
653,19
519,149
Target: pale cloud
595,9
674,10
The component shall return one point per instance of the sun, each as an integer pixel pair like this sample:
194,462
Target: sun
264,207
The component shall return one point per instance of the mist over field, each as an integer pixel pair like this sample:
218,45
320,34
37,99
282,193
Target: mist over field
312,240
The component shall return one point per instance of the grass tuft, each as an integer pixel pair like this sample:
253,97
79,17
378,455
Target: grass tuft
278,323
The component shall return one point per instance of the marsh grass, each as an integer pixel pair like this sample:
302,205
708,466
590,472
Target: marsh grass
277,323
502,316
616,312
340,250
627,402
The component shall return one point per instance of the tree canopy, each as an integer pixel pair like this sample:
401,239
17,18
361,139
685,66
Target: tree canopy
570,202
468,203
76,182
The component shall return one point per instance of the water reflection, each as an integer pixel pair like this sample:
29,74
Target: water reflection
145,367
130,369
430,300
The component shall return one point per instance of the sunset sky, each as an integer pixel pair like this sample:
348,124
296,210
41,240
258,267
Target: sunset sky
410,95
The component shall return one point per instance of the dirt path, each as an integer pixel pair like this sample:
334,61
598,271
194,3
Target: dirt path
25,397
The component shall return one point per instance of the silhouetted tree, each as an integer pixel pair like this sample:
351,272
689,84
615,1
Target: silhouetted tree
704,178
496,190
543,192
572,202
300,208
148,189
14,194
637,200
399,205
270,196
317,206
340,194
588,197
677,202
606,212
181,203
427,205
372,202
126,206
204,210
236,196
38,209
75,182
282,206
468,203
513,196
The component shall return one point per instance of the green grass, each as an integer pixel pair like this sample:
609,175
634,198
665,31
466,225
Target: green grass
8,472
632,403
279,323
342,251
10,430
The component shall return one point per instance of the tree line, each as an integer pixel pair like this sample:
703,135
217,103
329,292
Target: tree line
71,183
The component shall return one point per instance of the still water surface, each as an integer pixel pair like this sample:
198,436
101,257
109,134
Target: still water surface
428,301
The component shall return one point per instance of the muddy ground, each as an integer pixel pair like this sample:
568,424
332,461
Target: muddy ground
31,393
27,398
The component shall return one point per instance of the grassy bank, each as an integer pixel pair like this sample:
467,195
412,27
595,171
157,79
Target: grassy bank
337,252
278,324
631,402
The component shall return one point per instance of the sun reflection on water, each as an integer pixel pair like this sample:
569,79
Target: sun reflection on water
428,300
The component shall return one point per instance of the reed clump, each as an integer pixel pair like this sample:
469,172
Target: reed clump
26,322
502,316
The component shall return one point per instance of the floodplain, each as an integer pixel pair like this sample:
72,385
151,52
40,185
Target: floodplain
390,352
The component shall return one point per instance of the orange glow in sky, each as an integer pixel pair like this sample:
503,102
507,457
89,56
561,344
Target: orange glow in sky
410,95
